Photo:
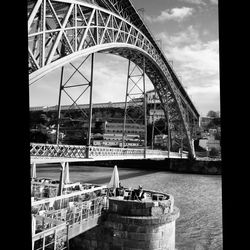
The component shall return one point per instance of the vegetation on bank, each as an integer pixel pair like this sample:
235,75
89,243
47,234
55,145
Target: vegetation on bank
74,125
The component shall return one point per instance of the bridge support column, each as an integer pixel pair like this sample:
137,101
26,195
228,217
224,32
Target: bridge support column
182,133
125,108
169,132
153,123
87,83
90,104
136,98
145,109
59,107
62,177
33,170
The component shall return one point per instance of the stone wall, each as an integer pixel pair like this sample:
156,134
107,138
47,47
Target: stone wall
137,208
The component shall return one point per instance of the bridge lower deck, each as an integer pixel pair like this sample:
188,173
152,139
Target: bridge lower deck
52,153
41,159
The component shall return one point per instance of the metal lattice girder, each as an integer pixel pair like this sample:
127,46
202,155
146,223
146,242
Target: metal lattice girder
54,150
162,131
63,30
43,151
136,97
84,85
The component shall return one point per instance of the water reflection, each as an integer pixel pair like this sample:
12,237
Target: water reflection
198,197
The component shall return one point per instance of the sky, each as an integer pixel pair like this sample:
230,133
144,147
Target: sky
187,31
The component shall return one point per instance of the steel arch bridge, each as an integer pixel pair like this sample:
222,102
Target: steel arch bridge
63,30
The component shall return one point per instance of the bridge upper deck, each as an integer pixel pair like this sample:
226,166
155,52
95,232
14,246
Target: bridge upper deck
52,153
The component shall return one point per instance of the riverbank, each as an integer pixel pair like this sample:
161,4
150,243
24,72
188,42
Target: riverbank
172,165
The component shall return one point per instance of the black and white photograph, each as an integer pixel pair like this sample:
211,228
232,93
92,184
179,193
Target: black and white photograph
124,125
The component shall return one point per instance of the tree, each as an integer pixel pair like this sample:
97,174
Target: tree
98,127
214,123
214,152
38,136
212,113
161,126
44,119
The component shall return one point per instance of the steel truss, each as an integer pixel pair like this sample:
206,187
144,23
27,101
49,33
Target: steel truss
64,30
50,151
85,85
136,96
167,122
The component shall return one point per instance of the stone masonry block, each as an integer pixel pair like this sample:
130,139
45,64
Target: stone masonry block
132,228
137,236
93,243
141,229
135,244
116,248
156,211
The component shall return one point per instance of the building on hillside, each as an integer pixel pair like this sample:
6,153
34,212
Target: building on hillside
212,131
210,142
214,144
81,106
155,115
52,135
130,128
152,97
113,135
204,121
39,108
115,140
161,140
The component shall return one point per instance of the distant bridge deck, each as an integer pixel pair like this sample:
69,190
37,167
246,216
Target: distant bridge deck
53,153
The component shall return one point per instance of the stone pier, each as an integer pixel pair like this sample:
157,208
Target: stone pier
133,225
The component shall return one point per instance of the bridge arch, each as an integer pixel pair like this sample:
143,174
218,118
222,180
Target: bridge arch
64,30
110,47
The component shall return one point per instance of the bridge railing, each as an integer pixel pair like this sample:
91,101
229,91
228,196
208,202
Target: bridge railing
79,151
74,212
59,202
55,150
80,216
108,152
157,152
43,190
48,233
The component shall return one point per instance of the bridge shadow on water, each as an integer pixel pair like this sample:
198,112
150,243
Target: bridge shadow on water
122,176
101,174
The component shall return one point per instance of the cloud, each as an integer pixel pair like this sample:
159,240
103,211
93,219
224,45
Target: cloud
200,57
196,62
198,2
205,98
175,14
214,1
190,54
189,36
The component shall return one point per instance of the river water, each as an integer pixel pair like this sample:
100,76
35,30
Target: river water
199,198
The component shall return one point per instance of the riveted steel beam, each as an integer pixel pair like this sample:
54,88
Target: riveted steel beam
76,32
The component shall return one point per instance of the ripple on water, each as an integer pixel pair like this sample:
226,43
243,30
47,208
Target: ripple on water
198,197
